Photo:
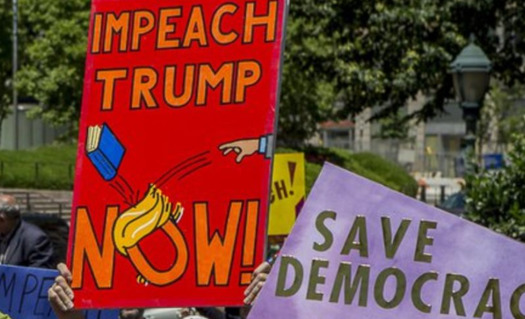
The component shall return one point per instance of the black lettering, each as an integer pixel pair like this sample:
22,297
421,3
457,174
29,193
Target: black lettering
358,229
316,279
324,231
27,289
280,188
417,288
344,278
42,295
450,295
379,289
8,288
515,302
281,290
492,291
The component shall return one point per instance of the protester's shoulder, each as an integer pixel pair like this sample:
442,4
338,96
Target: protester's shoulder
32,230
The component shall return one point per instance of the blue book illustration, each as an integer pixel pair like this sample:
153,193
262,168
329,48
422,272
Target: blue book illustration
104,150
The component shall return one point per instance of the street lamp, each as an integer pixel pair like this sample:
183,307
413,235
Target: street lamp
15,69
471,74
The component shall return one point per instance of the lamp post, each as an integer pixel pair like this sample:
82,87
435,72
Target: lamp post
471,74
15,69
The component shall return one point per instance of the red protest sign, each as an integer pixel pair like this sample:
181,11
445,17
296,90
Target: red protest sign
176,134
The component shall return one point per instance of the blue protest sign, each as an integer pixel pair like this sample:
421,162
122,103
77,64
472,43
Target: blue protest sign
23,294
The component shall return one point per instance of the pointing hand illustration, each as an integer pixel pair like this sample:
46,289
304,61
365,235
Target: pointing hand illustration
242,148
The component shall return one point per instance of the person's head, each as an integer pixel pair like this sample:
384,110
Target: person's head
133,313
9,214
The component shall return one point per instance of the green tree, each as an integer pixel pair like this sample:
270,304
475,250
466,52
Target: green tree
376,52
54,34
358,53
496,199
5,58
384,52
501,116
307,95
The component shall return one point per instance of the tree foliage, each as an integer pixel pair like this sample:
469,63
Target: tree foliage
356,53
5,58
377,52
384,52
501,117
496,199
307,96
55,42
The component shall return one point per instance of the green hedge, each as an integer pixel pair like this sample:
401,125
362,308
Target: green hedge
389,171
367,165
50,167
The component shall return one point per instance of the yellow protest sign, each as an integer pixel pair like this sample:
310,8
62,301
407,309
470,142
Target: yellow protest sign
287,192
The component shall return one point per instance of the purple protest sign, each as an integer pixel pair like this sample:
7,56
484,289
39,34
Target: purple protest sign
361,250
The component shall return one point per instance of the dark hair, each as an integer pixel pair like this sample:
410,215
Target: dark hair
10,210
